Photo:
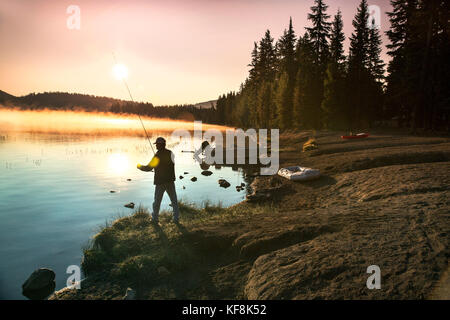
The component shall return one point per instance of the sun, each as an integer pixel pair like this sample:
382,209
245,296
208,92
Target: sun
120,71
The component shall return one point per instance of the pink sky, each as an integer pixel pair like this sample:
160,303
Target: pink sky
177,51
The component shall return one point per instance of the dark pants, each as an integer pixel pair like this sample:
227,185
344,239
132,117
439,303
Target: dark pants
168,187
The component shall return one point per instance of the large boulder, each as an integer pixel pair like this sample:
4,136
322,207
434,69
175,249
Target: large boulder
40,284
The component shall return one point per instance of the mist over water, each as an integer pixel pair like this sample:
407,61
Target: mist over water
57,170
88,123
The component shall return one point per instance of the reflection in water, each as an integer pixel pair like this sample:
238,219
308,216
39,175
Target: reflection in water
118,163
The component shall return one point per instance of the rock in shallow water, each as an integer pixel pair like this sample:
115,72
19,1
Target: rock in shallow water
129,205
224,183
40,284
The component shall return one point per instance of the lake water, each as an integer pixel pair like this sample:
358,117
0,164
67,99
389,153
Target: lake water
55,195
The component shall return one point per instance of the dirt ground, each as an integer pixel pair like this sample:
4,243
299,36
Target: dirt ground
380,201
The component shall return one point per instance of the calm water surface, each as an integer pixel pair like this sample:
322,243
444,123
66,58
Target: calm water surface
55,195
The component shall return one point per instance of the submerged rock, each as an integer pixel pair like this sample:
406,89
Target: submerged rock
207,173
193,179
40,284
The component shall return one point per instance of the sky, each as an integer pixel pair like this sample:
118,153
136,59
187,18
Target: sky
176,51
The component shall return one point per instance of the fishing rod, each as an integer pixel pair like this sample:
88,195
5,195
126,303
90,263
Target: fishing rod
129,92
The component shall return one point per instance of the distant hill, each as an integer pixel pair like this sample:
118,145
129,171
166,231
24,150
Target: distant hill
60,100
72,101
206,104
83,102
5,97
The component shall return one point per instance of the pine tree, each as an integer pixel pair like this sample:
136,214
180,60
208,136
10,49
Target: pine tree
358,79
376,65
250,89
359,40
306,103
265,104
400,102
337,39
244,104
319,33
253,75
220,107
286,51
286,77
417,80
266,58
332,97
283,101
432,36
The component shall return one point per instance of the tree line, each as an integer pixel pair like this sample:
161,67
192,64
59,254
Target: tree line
91,103
188,112
308,81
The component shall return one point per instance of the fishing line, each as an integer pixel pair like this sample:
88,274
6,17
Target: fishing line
129,92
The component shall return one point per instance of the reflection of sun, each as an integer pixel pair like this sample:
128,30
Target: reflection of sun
118,163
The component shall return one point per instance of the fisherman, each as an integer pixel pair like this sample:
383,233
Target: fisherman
164,166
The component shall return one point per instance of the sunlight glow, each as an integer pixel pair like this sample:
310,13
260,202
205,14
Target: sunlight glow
118,163
120,71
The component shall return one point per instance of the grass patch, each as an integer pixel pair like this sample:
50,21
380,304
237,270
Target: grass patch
133,251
